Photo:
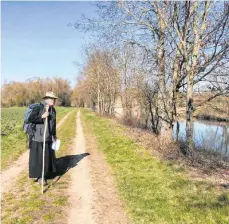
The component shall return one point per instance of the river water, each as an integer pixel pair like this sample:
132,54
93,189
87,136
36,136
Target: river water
207,135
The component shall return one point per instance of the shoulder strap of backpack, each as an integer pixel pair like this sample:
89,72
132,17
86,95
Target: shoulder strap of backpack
42,108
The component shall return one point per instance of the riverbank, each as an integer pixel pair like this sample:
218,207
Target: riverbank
208,163
153,189
204,113
214,110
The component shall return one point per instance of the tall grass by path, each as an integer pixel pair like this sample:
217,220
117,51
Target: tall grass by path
25,204
152,190
13,137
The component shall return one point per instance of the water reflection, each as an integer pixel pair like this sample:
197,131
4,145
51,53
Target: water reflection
206,135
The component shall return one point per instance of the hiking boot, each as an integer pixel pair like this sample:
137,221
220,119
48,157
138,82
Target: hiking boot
44,182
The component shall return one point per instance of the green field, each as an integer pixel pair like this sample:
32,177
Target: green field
13,137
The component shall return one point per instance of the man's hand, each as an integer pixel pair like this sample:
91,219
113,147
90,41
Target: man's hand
44,115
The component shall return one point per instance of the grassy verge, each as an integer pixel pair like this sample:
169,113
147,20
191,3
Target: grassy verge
25,204
153,191
61,112
13,137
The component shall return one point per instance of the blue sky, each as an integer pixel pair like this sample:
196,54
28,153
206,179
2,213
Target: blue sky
36,41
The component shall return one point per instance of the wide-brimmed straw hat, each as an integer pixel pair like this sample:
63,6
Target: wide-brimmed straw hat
50,95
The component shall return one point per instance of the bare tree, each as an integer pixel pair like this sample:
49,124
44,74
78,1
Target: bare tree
31,91
185,43
101,80
201,40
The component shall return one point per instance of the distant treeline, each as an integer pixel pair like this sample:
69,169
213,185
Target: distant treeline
32,91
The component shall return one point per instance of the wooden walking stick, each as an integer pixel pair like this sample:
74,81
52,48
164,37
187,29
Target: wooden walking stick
43,163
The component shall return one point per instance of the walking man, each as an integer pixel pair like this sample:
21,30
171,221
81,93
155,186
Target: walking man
38,116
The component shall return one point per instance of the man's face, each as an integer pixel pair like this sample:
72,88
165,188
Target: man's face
51,102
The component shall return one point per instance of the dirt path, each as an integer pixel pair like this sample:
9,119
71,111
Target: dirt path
9,176
81,189
92,193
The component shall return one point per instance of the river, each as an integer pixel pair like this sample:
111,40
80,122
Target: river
207,135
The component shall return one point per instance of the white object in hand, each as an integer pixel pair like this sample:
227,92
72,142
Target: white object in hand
56,145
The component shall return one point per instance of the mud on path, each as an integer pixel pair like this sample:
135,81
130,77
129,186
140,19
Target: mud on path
9,176
93,196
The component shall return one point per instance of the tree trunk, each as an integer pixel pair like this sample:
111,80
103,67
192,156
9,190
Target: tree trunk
177,130
191,70
189,118
98,99
163,126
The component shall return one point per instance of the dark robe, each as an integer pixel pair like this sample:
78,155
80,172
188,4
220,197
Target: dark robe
36,149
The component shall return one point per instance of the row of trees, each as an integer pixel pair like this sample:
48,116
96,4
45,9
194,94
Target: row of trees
161,49
99,82
32,91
